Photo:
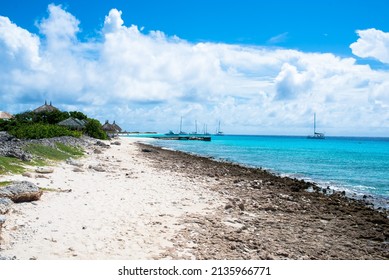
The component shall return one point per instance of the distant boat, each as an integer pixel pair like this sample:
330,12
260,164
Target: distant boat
195,132
170,133
316,135
181,132
219,132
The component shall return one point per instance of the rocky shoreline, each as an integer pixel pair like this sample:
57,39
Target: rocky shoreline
272,217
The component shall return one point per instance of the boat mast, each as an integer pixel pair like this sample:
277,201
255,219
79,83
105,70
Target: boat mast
314,123
181,125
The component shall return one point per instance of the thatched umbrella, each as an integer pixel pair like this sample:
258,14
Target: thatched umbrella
46,108
73,123
5,116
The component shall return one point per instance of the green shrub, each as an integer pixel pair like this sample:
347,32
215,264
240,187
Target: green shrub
94,129
78,115
39,131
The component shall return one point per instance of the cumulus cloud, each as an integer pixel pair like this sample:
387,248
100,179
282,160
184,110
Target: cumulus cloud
290,83
17,45
147,81
113,22
60,28
372,43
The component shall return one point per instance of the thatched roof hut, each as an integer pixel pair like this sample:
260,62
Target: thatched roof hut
46,108
118,128
5,116
73,123
109,128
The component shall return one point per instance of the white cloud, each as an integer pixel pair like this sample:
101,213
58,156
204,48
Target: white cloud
60,28
17,46
372,43
290,83
113,22
147,81
280,38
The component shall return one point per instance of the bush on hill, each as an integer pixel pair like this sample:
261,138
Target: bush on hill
32,125
39,131
94,129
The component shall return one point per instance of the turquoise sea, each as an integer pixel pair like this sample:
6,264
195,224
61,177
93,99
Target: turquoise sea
357,165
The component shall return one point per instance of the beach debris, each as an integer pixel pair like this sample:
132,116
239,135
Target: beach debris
98,168
44,170
77,169
73,162
27,174
102,144
5,205
22,191
41,176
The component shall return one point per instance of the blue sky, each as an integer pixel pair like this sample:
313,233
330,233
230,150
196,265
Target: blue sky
261,67
325,26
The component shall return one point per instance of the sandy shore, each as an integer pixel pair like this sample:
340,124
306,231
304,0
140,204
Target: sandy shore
134,201
126,210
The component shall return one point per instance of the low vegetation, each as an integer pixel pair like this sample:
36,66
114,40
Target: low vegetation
11,165
41,154
71,150
5,183
60,152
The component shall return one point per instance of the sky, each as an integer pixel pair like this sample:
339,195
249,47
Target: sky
258,67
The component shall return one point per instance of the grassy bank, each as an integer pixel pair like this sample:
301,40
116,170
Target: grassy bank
42,155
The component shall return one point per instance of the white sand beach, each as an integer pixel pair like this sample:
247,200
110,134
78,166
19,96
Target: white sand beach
114,206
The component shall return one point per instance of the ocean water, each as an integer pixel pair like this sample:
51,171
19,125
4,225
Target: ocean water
360,166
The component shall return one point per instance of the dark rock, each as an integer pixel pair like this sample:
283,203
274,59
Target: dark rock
19,154
241,206
228,206
147,151
102,144
116,143
21,192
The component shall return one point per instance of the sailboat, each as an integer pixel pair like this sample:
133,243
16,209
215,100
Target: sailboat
316,135
219,132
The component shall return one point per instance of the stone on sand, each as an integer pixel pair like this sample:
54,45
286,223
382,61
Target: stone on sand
22,191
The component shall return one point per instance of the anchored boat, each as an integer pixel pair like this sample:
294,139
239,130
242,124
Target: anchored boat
316,135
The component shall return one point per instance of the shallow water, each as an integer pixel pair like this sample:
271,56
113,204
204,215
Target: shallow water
356,165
